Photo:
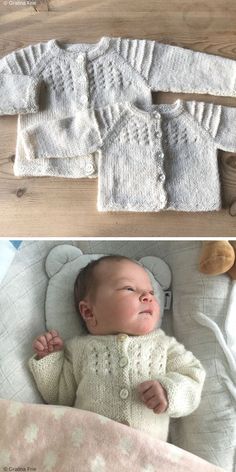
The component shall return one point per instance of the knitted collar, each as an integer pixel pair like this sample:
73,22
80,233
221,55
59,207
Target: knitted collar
154,111
74,49
114,337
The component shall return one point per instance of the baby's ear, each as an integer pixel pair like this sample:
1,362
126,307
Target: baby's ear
85,310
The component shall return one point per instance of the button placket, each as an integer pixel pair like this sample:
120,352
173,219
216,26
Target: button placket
82,77
123,361
158,141
157,132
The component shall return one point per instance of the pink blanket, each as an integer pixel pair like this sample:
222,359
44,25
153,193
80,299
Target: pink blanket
47,438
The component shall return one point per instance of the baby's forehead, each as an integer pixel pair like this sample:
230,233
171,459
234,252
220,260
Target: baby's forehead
124,268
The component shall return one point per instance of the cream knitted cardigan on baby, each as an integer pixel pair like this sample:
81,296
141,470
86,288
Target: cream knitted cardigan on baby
53,80
164,158
102,373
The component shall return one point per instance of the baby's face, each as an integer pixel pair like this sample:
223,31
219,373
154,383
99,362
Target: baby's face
124,301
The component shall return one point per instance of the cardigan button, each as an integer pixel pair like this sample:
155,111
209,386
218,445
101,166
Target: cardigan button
80,58
161,177
89,168
123,361
124,393
122,337
84,99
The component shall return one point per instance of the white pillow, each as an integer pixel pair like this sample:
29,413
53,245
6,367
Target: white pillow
63,265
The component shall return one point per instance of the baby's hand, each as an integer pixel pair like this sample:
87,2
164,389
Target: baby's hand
47,343
153,395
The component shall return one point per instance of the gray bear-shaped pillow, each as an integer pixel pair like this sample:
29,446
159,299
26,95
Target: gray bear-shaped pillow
63,265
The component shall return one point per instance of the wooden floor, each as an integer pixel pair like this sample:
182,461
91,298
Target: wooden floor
60,207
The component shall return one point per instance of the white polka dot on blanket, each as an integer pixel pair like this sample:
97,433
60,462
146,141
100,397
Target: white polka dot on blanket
98,464
103,419
77,437
50,460
126,445
174,453
148,468
58,412
31,433
14,409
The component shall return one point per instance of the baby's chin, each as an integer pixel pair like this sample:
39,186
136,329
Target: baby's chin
142,329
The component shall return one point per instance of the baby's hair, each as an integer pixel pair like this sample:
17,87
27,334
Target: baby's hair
86,281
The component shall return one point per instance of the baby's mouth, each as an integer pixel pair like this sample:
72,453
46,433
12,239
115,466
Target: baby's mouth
145,312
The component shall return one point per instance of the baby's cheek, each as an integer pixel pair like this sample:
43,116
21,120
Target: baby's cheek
157,309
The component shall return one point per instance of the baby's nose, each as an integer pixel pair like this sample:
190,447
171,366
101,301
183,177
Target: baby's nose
146,297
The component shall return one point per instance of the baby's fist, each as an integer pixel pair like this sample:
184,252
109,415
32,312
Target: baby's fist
153,395
47,343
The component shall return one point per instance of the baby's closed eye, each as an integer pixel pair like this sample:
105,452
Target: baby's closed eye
127,287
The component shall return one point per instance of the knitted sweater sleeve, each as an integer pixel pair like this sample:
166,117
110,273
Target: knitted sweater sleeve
176,69
73,136
54,376
183,380
19,87
219,121
77,135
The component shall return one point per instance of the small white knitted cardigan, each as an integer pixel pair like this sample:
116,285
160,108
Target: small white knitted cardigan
53,80
102,373
164,158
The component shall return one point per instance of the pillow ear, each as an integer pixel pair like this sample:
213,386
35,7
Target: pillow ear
159,269
59,256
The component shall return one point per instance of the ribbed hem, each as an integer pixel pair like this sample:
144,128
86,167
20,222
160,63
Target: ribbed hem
73,168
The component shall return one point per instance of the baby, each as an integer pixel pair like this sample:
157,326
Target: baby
125,368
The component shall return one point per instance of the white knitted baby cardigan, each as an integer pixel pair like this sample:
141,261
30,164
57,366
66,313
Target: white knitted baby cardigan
102,373
53,80
164,157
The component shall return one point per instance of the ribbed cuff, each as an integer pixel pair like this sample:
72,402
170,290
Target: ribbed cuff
33,92
47,360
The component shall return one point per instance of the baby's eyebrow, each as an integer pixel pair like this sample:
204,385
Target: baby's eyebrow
126,280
